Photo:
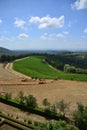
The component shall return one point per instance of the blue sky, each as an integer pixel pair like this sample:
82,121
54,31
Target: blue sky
43,24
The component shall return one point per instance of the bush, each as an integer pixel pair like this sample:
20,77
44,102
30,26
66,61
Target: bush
53,108
20,98
29,121
30,101
36,123
46,102
80,116
59,125
62,106
8,96
36,110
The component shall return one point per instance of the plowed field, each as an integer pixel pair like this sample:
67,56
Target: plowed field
70,91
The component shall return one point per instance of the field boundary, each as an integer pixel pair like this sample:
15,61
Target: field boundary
35,110
9,68
15,122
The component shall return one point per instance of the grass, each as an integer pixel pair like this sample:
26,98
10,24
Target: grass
34,66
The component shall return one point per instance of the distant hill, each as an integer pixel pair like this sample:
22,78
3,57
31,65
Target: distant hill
4,51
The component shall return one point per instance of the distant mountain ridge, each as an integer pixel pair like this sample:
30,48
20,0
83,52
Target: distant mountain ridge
4,51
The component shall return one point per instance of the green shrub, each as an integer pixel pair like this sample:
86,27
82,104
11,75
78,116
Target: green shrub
29,121
8,96
20,97
80,116
36,123
60,125
30,100
62,106
36,110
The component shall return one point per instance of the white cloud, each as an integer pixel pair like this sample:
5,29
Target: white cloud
23,36
85,30
47,36
48,22
79,4
0,21
3,38
60,35
66,33
19,23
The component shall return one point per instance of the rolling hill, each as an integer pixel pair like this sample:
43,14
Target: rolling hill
35,67
4,51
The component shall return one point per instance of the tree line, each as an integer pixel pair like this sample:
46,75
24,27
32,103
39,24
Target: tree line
79,115
11,58
69,62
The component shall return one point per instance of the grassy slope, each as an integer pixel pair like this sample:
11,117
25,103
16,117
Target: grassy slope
35,67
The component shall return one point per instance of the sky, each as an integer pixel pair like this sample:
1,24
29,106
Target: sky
43,24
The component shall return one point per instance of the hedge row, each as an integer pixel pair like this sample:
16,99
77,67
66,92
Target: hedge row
16,125
1,122
35,110
15,122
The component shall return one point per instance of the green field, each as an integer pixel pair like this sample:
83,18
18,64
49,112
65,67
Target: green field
34,66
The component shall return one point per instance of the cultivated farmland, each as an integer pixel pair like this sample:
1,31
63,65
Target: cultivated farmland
72,91
35,66
53,90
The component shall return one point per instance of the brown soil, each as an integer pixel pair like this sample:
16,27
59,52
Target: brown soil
7,127
70,91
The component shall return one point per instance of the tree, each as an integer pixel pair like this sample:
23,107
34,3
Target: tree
66,68
46,102
20,98
80,116
30,100
8,96
53,108
59,125
72,69
62,106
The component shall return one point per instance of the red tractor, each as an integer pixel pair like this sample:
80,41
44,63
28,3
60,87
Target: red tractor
24,79
42,81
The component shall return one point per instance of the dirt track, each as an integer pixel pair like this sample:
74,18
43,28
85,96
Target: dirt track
71,91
